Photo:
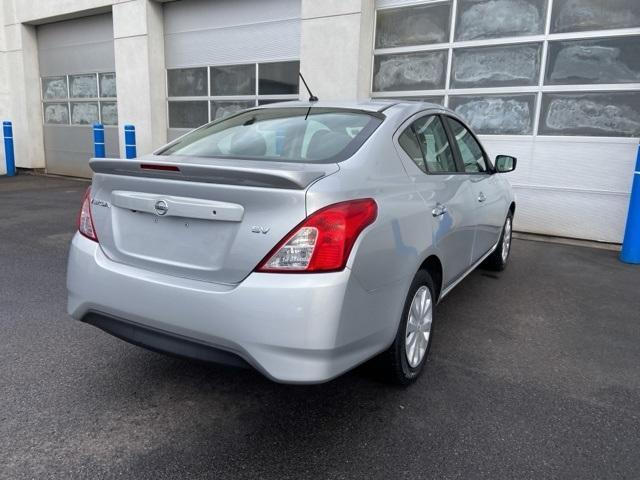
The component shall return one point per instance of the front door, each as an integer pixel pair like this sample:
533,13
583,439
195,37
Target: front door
488,199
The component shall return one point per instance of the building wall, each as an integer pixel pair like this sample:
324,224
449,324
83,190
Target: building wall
138,45
555,82
516,76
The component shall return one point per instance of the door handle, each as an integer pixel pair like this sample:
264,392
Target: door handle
439,210
482,197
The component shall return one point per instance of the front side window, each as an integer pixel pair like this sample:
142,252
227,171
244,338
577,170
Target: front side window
470,150
305,135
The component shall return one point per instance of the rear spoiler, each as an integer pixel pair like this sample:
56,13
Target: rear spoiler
248,173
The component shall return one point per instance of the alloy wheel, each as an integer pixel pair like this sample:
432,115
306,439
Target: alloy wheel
418,328
506,240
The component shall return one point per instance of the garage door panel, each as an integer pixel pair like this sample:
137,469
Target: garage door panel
73,55
590,165
573,214
519,147
68,149
204,14
95,57
240,44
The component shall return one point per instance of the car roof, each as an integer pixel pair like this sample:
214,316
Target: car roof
369,105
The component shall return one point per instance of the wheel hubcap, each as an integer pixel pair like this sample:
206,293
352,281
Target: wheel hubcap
418,326
506,240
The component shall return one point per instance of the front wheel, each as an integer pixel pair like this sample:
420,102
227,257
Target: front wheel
405,359
498,260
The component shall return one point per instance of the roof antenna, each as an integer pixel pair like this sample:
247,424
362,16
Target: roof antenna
312,97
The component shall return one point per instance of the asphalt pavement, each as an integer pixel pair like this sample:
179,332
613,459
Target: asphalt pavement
534,373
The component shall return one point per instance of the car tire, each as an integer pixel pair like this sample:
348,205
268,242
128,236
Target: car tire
401,363
499,259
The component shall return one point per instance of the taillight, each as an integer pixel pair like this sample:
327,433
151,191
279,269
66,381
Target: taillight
322,242
85,219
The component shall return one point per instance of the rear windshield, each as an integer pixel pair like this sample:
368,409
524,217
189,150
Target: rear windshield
297,134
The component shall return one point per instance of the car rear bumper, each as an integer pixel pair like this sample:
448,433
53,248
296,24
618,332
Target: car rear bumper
293,328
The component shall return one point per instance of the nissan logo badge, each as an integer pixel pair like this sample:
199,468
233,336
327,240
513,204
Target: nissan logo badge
161,207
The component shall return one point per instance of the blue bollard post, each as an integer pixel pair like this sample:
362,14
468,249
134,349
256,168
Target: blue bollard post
631,246
130,141
9,154
98,140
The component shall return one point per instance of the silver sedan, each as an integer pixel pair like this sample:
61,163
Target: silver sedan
301,239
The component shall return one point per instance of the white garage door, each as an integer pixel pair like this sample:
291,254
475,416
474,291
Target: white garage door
78,89
226,55
554,82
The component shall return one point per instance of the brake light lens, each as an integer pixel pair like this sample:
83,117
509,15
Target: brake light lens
154,166
85,218
323,241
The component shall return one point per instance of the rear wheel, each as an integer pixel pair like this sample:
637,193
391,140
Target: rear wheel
405,359
498,260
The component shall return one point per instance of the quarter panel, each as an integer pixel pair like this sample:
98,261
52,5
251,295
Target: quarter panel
392,248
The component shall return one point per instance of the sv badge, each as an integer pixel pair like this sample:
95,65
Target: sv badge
257,229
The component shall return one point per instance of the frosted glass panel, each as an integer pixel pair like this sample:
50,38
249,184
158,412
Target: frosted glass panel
54,88
480,19
188,114
613,114
496,115
222,109
109,112
187,82
279,78
615,60
56,113
84,113
107,83
416,25
410,71
580,15
496,66
233,80
83,86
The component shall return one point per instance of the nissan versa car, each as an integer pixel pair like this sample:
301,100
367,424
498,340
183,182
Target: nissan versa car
298,238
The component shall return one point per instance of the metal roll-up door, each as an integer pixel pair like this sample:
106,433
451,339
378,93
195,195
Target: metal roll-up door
227,55
77,70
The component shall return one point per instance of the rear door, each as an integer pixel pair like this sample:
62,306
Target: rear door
488,198
431,164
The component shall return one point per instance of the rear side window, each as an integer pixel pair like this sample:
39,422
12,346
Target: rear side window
470,150
409,143
426,142
297,134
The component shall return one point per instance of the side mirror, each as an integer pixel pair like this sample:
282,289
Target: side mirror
505,163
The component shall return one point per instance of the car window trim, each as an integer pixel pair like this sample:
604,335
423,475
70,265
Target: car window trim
424,153
417,139
458,154
411,121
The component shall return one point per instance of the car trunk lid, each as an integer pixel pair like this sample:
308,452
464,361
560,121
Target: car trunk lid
205,219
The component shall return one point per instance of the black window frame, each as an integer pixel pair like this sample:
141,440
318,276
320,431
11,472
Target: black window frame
456,149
